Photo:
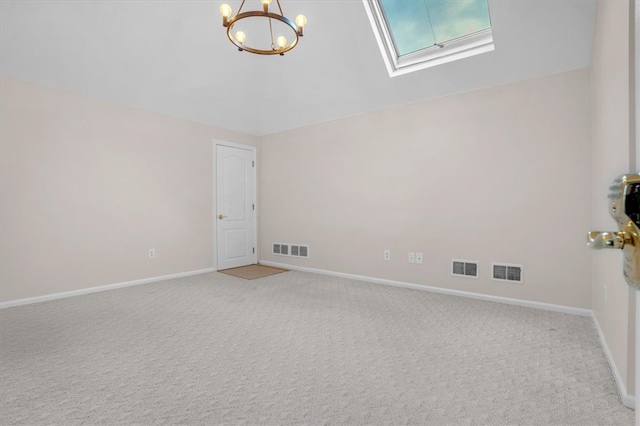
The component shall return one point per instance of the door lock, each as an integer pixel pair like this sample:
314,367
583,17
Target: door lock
624,208
221,216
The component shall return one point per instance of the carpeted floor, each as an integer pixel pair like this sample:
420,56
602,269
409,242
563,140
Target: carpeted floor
298,348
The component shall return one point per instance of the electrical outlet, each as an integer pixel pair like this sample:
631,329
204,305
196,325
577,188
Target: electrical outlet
152,253
412,257
419,258
387,255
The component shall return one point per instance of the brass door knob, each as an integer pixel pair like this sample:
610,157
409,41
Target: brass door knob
221,216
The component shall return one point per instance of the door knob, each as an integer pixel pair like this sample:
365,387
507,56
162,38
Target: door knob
221,216
624,208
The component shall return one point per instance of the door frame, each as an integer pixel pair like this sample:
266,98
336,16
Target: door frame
254,151
634,117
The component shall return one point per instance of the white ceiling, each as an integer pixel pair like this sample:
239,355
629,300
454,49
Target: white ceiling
173,57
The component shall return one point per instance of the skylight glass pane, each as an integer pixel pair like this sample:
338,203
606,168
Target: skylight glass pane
418,24
453,19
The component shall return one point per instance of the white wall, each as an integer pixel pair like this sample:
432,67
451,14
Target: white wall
490,175
611,148
89,186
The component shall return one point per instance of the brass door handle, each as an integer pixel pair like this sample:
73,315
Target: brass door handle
221,216
606,240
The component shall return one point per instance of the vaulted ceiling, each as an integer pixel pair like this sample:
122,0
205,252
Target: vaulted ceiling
173,57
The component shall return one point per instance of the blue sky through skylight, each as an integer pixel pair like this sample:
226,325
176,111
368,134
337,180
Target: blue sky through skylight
418,24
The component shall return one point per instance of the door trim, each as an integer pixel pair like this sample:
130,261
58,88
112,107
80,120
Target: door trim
254,150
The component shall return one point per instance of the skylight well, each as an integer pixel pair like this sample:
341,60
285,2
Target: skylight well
417,34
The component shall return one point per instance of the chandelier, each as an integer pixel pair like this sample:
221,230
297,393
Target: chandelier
254,22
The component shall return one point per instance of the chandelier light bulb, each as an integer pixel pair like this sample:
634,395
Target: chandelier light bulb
241,37
225,10
301,21
265,5
281,42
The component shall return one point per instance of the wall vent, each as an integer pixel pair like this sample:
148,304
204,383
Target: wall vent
464,268
294,250
281,249
299,251
507,272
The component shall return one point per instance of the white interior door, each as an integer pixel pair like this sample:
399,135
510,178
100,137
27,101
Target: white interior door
235,207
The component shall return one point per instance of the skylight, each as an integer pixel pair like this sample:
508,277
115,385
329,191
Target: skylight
416,34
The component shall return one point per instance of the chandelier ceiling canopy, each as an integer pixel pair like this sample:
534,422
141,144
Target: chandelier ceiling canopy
262,31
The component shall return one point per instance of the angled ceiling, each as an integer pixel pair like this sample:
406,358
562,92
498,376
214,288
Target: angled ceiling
173,57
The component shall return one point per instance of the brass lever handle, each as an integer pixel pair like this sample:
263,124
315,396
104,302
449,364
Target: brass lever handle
604,240
221,216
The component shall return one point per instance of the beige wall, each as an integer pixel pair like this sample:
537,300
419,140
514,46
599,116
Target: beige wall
89,186
612,145
492,175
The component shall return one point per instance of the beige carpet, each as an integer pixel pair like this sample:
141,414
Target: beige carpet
251,272
298,348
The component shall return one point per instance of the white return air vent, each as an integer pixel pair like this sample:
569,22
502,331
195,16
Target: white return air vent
293,250
507,272
281,249
464,268
299,251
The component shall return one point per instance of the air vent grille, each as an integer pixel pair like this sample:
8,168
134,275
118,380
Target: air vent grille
281,249
464,268
299,250
471,269
294,250
499,272
507,272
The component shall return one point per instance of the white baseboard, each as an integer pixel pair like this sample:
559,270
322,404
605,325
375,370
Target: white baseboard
627,400
54,296
525,303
